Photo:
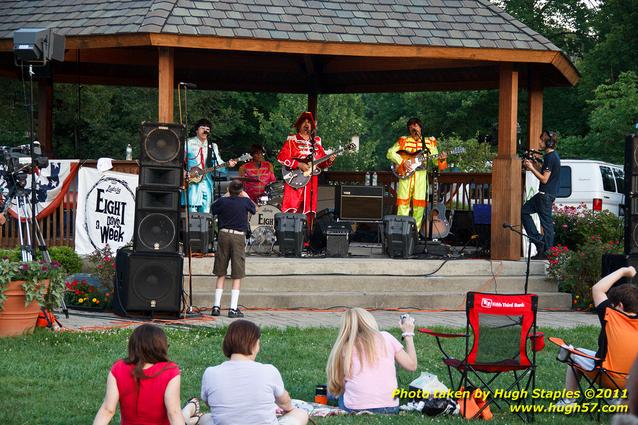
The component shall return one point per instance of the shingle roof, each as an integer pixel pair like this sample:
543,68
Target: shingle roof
445,23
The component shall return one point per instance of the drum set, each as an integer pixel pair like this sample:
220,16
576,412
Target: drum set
262,223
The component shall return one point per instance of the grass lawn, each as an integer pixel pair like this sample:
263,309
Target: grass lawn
53,379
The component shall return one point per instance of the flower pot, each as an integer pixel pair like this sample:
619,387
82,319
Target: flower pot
15,318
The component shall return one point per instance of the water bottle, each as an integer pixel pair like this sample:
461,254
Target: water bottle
129,152
367,179
374,178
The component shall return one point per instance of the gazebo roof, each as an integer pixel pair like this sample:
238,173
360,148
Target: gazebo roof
328,46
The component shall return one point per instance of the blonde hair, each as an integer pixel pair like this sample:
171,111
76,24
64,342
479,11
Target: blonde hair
359,330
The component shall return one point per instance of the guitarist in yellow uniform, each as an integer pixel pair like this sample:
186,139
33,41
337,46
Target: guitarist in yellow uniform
414,188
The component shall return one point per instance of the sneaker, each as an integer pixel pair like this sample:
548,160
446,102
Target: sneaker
234,313
215,311
565,402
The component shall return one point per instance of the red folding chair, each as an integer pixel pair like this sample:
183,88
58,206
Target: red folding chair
498,328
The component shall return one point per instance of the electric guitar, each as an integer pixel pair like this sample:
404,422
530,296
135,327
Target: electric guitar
438,223
416,160
298,179
196,174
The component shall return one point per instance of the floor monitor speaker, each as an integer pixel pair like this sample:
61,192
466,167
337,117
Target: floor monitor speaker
400,236
291,232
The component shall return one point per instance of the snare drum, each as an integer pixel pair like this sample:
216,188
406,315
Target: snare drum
265,216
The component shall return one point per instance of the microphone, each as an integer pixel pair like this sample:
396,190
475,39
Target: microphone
507,226
188,85
207,131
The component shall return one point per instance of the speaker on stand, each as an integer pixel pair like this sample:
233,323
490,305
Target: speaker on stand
149,279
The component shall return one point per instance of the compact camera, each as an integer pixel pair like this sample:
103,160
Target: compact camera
403,317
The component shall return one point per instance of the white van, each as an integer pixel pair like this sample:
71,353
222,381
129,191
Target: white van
599,185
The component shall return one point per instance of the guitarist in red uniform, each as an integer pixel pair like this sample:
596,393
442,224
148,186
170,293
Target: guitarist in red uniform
294,155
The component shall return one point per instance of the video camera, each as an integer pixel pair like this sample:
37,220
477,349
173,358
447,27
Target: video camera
18,159
531,155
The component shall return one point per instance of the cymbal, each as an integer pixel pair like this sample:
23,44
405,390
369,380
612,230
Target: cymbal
246,179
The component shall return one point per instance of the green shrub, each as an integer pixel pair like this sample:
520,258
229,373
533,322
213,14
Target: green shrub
577,271
575,226
67,257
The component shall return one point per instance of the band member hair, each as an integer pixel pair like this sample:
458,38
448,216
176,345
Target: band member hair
256,148
203,123
414,121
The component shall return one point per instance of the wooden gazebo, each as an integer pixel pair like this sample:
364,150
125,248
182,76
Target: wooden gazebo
306,46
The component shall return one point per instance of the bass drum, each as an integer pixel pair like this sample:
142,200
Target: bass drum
262,225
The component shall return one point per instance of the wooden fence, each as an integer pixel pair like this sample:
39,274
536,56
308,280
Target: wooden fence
459,190
59,227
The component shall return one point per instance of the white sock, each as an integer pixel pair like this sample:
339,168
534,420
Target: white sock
234,298
218,297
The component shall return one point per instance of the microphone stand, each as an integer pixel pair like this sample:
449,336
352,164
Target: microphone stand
529,249
313,134
186,204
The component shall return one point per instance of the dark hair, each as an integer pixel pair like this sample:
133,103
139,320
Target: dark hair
235,187
626,294
552,138
241,337
147,344
255,148
414,121
203,122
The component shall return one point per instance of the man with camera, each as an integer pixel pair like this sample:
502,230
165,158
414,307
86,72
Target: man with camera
542,202
199,152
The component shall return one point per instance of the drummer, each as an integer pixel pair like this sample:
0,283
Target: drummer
259,170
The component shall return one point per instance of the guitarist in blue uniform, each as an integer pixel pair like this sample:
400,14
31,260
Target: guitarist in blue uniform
199,152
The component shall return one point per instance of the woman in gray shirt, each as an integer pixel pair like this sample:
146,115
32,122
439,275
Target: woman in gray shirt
241,391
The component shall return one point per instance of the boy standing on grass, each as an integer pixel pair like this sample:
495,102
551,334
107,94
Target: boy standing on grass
232,216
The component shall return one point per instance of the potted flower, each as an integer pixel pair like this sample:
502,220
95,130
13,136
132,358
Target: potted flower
24,288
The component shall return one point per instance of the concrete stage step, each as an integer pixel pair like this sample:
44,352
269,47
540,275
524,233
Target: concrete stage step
276,282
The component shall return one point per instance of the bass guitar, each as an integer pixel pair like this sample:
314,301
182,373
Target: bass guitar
196,174
298,179
439,225
416,160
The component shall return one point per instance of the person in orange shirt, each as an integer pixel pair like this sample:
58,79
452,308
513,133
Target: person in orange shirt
260,170
414,189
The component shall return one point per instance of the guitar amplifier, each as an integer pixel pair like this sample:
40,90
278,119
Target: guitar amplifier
359,203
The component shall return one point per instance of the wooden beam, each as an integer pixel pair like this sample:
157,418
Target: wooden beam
340,64
312,104
506,171
45,115
535,109
166,83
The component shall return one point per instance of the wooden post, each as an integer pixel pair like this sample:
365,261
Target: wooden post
166,67
535,110
45,115
506,171
312,104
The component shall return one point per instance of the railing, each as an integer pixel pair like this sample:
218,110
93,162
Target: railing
459,190
59,227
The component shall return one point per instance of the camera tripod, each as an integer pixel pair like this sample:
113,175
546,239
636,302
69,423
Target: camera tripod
21,199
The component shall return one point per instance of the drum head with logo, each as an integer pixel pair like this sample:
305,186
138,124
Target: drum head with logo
265,216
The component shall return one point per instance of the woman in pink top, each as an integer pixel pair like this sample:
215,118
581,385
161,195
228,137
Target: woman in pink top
146,384
361,368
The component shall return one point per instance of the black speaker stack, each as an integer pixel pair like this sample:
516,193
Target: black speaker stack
631,194
149,278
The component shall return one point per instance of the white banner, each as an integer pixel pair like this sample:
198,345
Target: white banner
105,210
